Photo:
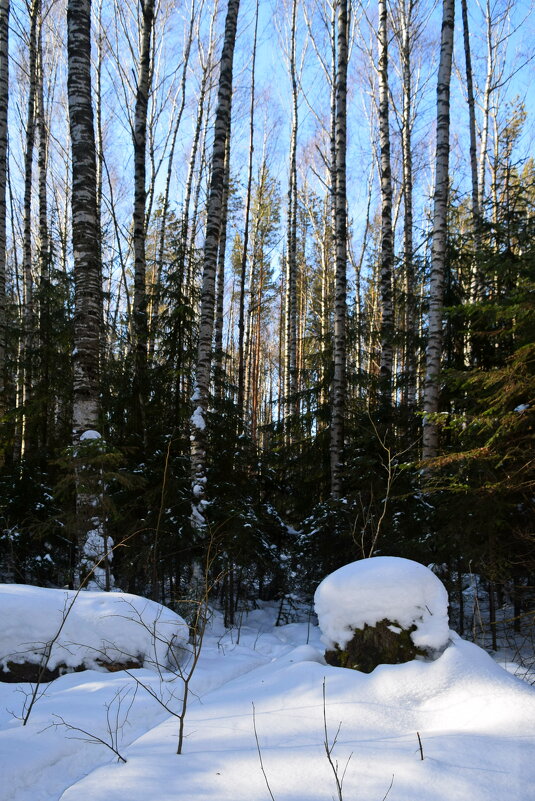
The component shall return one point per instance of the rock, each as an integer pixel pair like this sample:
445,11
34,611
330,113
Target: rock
375,645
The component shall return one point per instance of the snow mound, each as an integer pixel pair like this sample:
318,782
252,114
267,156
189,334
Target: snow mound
86,628
383,587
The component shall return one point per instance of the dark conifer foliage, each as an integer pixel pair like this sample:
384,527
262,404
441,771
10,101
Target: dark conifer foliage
222,239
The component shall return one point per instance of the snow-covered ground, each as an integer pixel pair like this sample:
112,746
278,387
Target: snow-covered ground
476,723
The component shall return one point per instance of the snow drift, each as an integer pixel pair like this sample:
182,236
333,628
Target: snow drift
85,629
383,588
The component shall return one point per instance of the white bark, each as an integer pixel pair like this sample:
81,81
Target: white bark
139,132
339,378
87,291
201,394
4,96
387,238
439,238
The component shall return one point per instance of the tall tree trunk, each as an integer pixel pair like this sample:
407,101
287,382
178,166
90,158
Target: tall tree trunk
291,242
486,102
44,253
387,237
476,210
339,379
439,237
243,268
4,97
27,350
220,288
201,394
87,294
139,307
406,21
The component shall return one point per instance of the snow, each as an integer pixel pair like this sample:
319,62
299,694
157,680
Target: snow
383,587
112,627
197,419
476,723
90,435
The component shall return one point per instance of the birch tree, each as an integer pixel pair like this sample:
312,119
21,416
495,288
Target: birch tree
340,197
243,271
4,99
201,394
87,286
291,234
439,237
387,237
139,136
27,344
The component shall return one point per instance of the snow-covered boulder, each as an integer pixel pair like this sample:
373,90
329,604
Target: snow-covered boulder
382,610
83,630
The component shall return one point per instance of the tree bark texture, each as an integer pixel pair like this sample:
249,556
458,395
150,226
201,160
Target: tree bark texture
387,238
27,349
139,308
410,318
291,239
201,394
243,269
439,237
4,95
340,314
85,234
476,210
93,545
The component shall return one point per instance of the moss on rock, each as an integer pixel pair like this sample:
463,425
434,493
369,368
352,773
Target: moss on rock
386,643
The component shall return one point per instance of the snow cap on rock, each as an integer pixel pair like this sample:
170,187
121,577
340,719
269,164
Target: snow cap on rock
379,588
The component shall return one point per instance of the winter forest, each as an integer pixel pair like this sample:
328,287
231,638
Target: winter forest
266,291
267,391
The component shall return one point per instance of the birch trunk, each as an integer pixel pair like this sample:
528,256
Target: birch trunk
476,210
139,307
27,349
243,268
291,242
387,240
4,97
44,250
406,20
201,392
220,288
87,293
339,378
439,237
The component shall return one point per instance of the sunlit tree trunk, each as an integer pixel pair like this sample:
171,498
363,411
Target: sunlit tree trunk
201,394
291,238
339,378
139,308
4,97
44,252
220,287
405,48
27,345
476,210
439,237
387,238
243,269
92,544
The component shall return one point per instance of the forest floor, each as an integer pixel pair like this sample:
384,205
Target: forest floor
268,719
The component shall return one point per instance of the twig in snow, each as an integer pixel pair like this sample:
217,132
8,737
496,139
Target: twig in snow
329,747
260,755
420,744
